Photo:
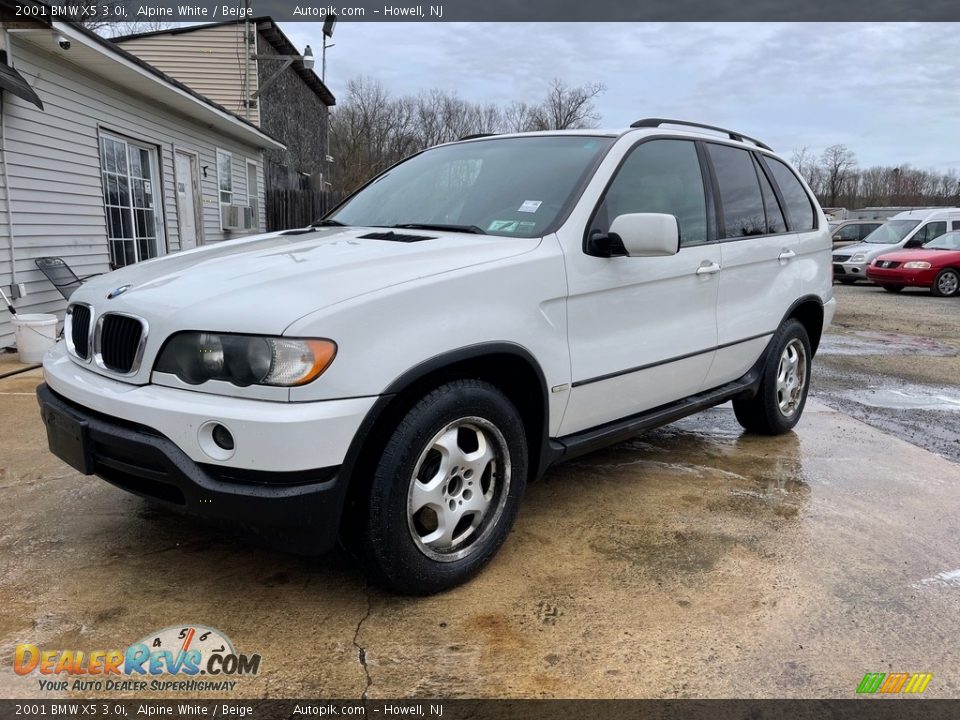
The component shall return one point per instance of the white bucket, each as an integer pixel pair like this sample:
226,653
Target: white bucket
35,333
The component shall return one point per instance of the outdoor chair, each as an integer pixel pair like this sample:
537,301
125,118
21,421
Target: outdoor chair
60,275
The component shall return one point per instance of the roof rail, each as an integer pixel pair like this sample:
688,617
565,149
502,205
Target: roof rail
477,135
733,135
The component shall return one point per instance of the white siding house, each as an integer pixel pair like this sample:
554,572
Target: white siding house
122,164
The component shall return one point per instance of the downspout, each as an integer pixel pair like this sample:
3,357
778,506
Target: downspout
5,47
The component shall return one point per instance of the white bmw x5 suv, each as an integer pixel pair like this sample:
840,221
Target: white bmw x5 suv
396,373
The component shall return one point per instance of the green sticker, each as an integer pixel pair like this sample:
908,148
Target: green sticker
526,226
503,226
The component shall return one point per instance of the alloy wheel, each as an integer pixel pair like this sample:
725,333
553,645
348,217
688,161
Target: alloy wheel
947,283
791,377
459,488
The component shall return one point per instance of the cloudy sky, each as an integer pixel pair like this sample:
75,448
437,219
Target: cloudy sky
889,91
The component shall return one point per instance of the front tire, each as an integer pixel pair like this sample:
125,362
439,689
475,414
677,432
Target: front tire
446,490
892,288
782,395
947,283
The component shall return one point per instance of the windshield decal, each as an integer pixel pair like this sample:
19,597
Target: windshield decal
530,206
508,226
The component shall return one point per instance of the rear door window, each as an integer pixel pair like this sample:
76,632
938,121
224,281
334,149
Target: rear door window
741,201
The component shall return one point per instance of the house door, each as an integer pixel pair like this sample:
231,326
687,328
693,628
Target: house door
187,199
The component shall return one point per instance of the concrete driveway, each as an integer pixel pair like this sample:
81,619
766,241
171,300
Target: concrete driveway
691,562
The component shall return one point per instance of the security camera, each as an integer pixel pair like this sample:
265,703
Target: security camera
63,42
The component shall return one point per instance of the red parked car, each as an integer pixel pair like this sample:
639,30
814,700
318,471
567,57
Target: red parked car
936,265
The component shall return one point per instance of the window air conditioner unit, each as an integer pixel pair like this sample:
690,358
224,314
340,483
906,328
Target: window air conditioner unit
237,217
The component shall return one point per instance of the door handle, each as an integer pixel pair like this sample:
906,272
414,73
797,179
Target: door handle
708,268
786,255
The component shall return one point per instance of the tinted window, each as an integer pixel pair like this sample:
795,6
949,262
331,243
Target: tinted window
740,199
867,229
660,176
799,209
955,225
775,221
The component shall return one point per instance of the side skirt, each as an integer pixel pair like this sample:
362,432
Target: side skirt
586,441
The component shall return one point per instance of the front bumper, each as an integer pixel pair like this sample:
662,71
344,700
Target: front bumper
269,436
850,270
299,511
899,276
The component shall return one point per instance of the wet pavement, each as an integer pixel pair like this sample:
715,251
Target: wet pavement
893,361
694,561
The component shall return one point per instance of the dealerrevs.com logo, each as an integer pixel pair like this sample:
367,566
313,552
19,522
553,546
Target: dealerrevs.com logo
187,658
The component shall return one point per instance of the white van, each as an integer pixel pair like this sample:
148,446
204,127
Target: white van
905,230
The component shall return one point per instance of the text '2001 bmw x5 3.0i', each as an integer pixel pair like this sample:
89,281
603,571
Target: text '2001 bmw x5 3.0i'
395,374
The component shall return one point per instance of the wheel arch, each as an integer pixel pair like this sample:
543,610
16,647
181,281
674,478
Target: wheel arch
809,311
508,366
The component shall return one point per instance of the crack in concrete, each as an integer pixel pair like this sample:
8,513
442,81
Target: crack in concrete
362,651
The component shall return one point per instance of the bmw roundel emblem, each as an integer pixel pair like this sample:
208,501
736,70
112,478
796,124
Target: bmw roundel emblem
117,292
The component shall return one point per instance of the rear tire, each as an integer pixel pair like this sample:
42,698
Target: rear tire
947,283
892,288
782,395
446,489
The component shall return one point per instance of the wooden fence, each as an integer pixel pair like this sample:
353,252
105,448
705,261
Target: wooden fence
296,208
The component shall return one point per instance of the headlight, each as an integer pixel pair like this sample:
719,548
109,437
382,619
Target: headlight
917,265
245,359
859,257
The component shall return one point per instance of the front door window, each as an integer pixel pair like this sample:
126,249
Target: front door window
132,199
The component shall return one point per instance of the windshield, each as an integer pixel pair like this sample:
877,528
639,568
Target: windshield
892,232
948,241
514,187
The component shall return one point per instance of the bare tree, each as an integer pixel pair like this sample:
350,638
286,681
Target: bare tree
370,129
837,162
112,19
568,107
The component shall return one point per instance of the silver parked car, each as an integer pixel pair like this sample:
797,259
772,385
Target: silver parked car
847,232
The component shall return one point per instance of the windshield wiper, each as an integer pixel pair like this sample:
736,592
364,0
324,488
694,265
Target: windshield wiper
473,229
329,223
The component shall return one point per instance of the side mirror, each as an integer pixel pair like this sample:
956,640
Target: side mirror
638,235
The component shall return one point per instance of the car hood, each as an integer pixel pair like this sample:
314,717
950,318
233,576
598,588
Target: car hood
262,284
866,247
921,254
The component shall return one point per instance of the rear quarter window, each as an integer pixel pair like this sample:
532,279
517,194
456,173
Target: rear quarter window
799,208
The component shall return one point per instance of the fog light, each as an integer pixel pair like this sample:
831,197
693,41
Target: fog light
222,437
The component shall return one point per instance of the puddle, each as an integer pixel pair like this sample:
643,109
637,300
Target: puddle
865,342
950,578
908,397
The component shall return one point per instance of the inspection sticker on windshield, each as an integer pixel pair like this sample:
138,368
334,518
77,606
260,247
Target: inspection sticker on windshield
503,226
530,206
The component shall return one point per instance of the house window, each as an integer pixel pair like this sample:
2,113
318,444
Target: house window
225,176
131,193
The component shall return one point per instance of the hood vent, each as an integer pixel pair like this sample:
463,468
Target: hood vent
395,237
